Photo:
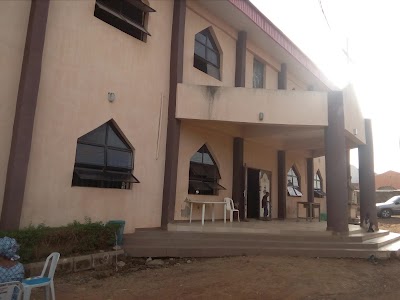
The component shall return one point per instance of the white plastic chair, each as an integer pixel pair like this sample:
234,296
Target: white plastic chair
43,280
9,289
231,208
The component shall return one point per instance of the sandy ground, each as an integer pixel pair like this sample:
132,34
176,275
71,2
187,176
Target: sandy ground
256,277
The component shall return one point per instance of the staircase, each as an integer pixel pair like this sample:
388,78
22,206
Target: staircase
357,244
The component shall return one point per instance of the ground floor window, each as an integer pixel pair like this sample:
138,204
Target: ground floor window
203,174
104,159
293,182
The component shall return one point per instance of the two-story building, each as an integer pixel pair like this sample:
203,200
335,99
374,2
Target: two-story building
124,109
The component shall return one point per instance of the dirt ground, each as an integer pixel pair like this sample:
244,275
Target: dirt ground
256,277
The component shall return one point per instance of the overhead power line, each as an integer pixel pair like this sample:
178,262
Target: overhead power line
326,19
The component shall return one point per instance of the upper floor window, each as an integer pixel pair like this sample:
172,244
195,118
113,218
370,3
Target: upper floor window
104,159
318,187
206,54
128,16
258,74
293,185
203,173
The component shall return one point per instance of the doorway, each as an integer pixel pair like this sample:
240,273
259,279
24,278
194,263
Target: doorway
257,182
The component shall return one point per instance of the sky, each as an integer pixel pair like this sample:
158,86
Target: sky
368,30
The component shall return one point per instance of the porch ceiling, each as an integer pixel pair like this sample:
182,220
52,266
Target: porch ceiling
282,137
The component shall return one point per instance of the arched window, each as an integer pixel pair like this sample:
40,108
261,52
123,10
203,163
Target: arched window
293,184
104,159
206,54
318,186
203,173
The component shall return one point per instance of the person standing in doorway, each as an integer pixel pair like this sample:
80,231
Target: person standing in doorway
265,203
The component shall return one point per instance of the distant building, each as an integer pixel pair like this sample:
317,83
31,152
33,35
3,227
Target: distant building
389,180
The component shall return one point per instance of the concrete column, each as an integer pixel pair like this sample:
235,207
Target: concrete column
336,170
240,73
24,116
282,185
367,176
238,174
282,78
174,125
310,179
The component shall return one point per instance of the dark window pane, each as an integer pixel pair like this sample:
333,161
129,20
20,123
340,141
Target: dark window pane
197,157
210,42
212,57
114,140
132,13
114,5
89,155
200,49
258,74
212,173
215,186
97,136
201,38
200,64
212,71
119,159
207,159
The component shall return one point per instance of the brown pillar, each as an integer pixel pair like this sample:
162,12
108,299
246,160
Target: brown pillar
24,116
310,179
238,174
282,78
173,130
367,176
336,171
240,73
282,185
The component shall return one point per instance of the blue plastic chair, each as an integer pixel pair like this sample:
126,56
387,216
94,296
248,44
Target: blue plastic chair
43,280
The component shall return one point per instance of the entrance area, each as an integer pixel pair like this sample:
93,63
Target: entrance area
257,183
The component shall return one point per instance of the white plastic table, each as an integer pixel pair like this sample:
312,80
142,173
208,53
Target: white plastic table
204,209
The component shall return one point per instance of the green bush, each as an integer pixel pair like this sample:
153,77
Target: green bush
37,242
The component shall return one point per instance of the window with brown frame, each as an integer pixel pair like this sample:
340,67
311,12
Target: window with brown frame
203,174
293,185
258,74
318,187
206,54
104,159
128,16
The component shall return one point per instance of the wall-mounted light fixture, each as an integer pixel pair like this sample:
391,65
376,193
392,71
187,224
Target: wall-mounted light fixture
355,131
111,96
261,116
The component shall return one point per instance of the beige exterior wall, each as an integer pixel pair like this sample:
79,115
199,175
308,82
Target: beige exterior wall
245,104
221,148
14,18
85,58
198,19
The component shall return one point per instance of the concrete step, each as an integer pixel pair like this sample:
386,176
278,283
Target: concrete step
215,251
232,242
193,236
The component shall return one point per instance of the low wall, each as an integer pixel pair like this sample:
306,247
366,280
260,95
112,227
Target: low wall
381,196
77,263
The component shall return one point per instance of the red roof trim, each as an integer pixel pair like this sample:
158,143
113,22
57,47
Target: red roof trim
278,36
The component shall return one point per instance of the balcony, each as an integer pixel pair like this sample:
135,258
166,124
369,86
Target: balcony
252,106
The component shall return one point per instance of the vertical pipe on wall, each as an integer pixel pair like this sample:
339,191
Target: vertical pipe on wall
24,116
173,130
